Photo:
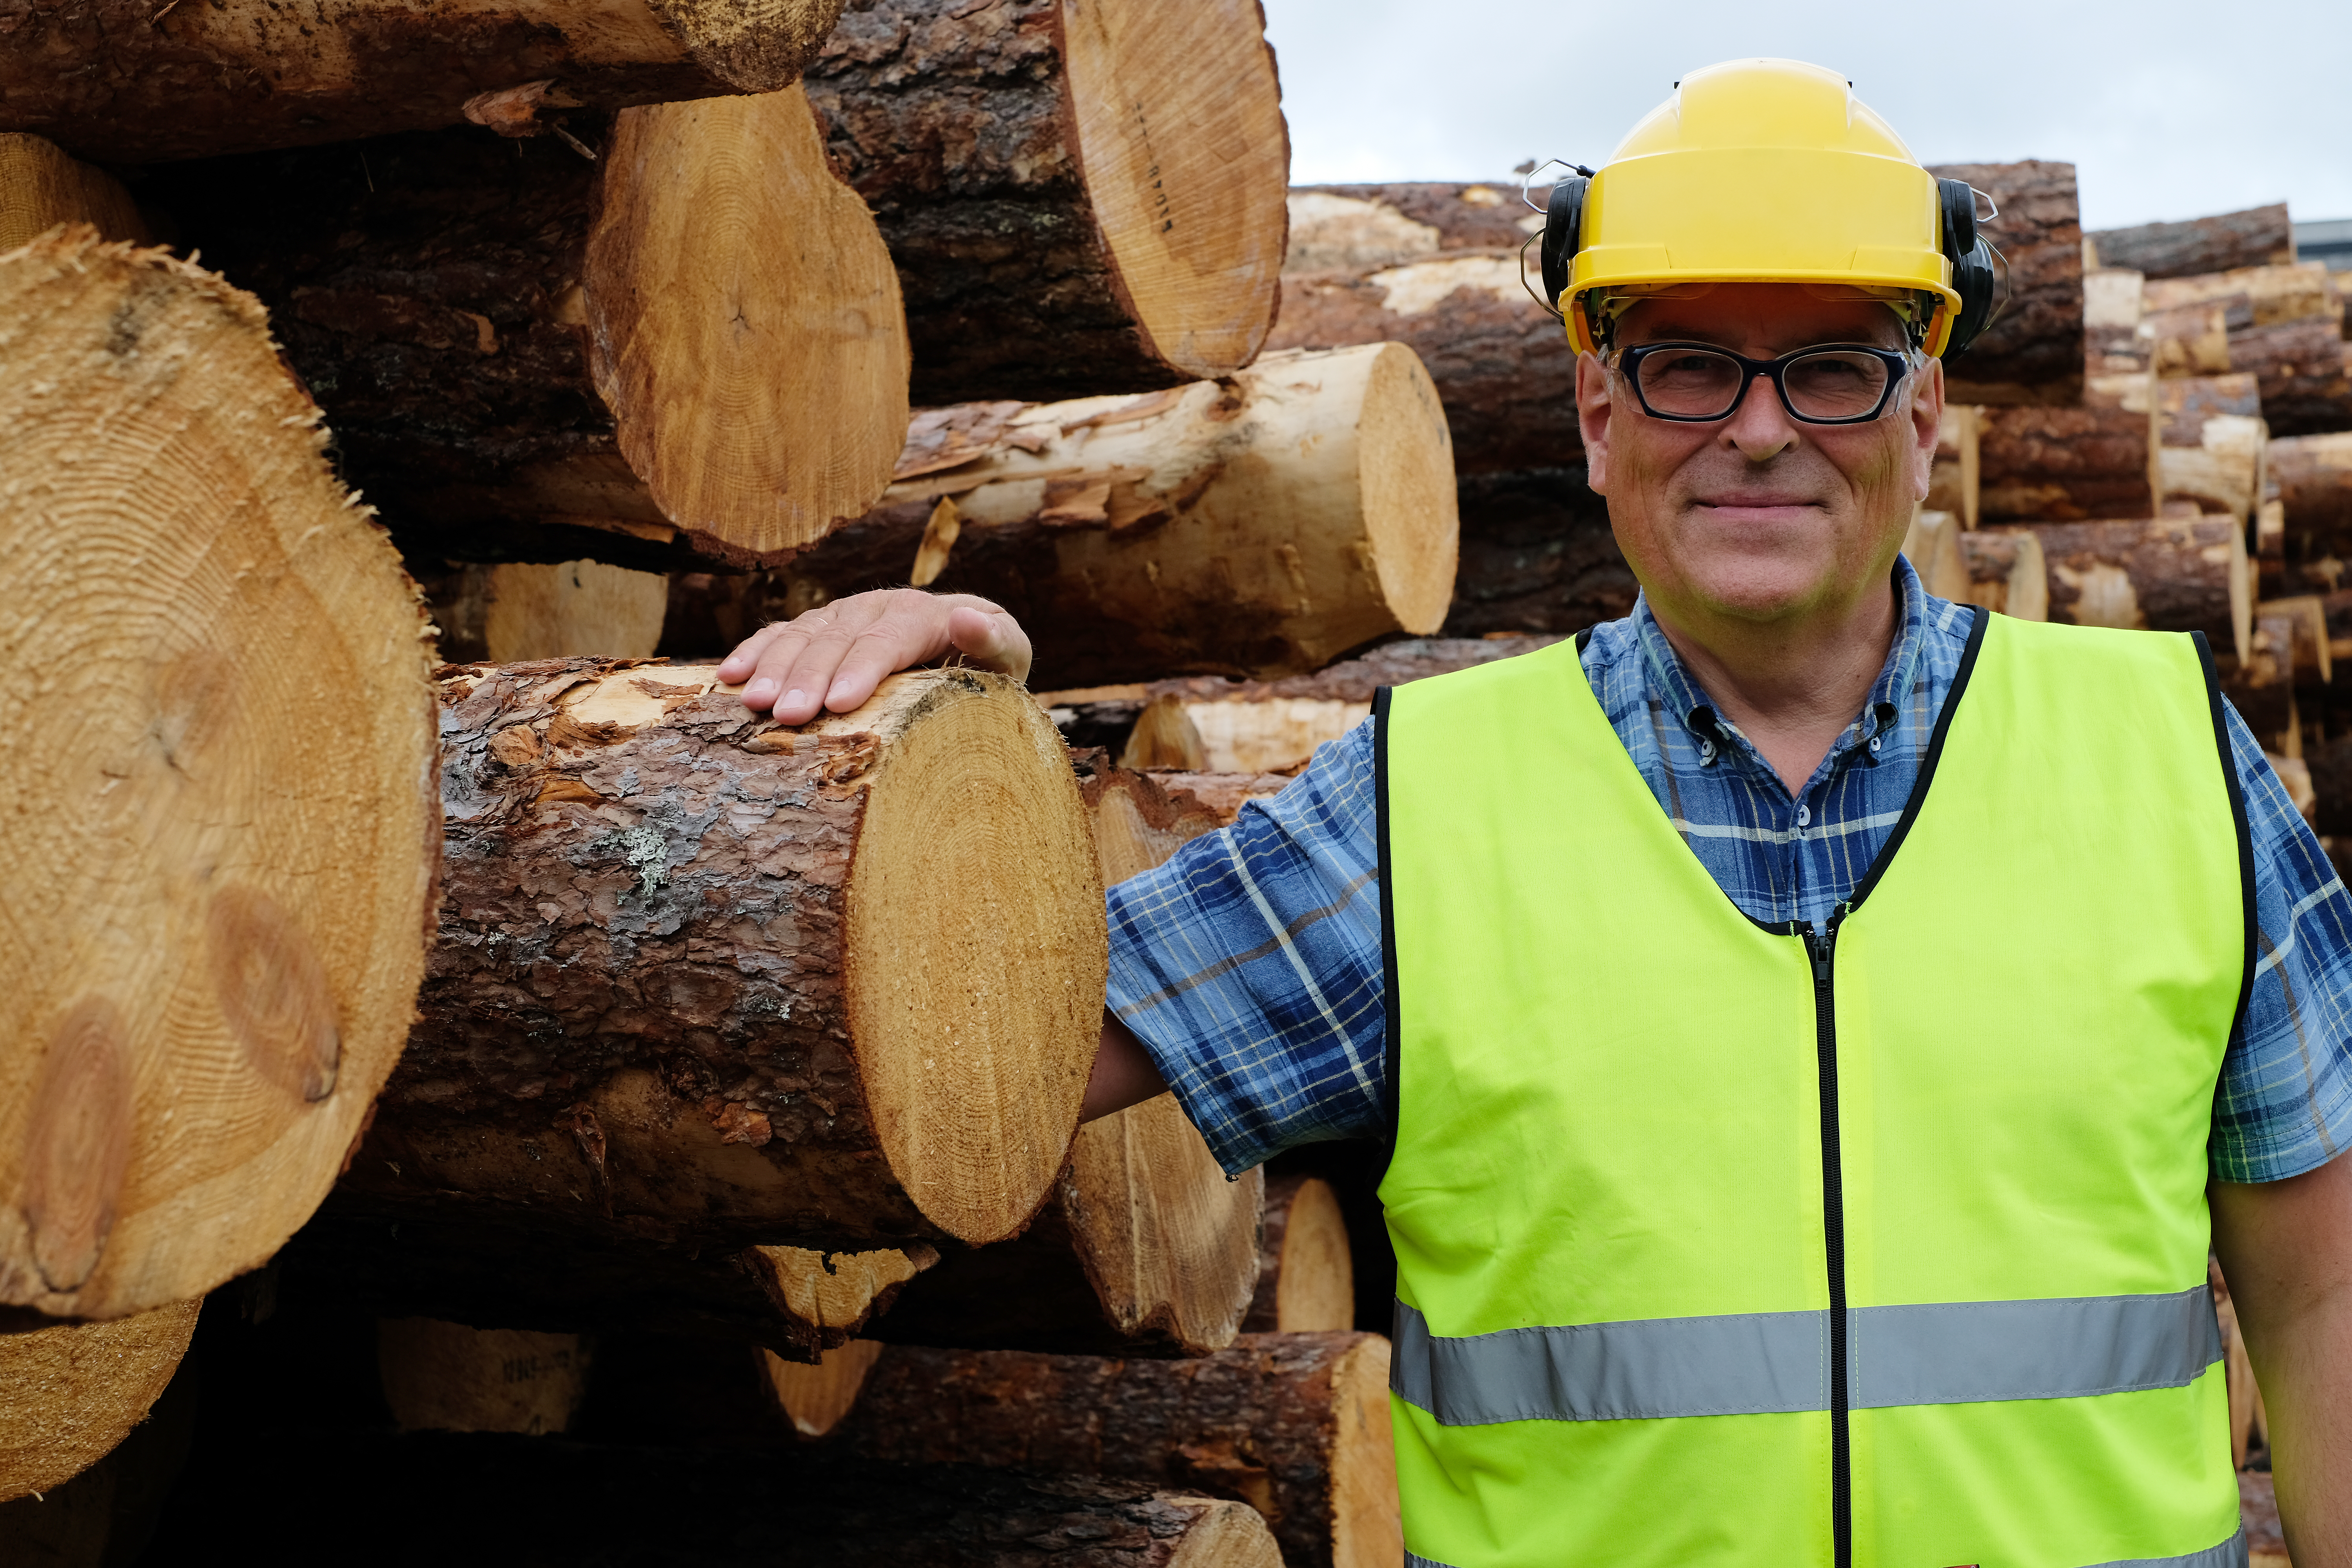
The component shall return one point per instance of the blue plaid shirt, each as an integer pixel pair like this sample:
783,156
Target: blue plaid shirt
1249,965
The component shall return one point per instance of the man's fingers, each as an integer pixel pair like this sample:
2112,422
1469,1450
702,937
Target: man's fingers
990,639
876,652
746,656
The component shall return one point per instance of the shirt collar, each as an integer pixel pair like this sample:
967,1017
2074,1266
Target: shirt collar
1881,711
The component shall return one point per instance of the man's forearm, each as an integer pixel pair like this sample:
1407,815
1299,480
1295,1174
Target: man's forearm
1124,1072
2287,1250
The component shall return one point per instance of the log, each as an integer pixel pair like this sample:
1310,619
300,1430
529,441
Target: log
2187,402
1956,484
2165,575
2224,472
1079,201
2007,573
2254,296
219,918
1360,228
125,82
694,986
814,1400
447,1377
2304,371
2113,305
1259,526
1295,1424
2314,475
689,348
1538,555
71,1392
2259,236
2065,464
1306,1277
108,1514
1144,1247
40,188
1932,544
2034,351
521,611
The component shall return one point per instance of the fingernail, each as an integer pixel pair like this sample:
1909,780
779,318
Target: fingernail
760,691
796,698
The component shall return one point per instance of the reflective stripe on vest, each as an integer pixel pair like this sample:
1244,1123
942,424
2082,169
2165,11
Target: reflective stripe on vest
1727,1245
1767,1363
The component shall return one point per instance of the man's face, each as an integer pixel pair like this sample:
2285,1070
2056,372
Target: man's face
1759,517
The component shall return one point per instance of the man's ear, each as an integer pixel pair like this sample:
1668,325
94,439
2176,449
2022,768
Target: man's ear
1592,407
1926,420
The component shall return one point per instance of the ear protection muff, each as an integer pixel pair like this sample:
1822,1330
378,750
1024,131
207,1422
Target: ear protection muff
1976,265
1563,224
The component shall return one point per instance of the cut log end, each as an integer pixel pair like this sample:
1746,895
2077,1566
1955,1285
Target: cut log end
754,48
221,908
1405,455
956,919
1184,149
1306,1277
70,1393
447,1377
813,1399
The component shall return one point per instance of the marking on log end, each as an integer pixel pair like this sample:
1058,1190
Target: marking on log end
79,1144
274,993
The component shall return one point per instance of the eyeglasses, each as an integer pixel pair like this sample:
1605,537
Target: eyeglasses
1698,383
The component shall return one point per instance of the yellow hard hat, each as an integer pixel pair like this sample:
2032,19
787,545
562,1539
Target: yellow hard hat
1767,171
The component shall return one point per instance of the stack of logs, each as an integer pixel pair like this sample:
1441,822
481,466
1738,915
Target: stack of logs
642,1069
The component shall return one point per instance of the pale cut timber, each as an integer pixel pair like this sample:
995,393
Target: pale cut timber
2162,575
769,1028
2033,350
1306,1275
2254,296
1932,544
2066,464
571,609
2006,573
127,82
2224,472
1296,1424
71,1392
814,1399
1080,199
40,188
1263,525
1145,1247
1958,474
221,909
690,348
2113,304
447,1377
2259,236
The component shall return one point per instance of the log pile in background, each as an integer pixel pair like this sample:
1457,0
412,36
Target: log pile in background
219,909
1132,536
2033,353
1079,201
690,346
129,83
2259,236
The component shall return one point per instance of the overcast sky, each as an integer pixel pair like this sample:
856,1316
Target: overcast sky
2168,109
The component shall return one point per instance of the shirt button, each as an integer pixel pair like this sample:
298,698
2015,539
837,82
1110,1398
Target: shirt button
1805,816
1873,742
1707,751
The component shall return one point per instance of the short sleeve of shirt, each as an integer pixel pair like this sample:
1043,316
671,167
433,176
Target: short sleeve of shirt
1249,965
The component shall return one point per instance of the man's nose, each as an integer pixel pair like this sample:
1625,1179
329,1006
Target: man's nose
1760,427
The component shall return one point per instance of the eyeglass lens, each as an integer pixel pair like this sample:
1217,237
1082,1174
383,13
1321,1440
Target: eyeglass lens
1697,385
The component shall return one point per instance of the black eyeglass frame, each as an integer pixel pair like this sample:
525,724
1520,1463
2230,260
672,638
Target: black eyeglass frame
1899,365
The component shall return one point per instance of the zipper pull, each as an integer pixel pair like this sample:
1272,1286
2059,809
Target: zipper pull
1819,945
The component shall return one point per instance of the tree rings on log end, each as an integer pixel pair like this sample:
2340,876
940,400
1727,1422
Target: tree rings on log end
1405,464
222,755
1181,143
70,1393
744,321
752,46
975,953
813,1399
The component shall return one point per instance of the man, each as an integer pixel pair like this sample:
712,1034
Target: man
1811,1016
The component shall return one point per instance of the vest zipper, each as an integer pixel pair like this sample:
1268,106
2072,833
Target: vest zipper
1821,948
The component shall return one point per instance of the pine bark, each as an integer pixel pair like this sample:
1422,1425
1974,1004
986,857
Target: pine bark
692,987
1359,229
2033,354
2165,575
2259,236
220,904
2314,475
2065,464
1538,555
1296,1425
688,349
1259,526
1078,202
126,82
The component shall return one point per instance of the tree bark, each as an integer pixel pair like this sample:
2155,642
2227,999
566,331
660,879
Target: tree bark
1079,201
1360,228
1259,526
71,1392
2171,575
2188,401
1538,555
1295,1424
2259,236
219,906
2033,354
2314,475
689,348
125,82
2065,464
447,1377
1305,1278
2304,371
693,985
2007,573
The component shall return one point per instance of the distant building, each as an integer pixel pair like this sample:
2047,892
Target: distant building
2329,240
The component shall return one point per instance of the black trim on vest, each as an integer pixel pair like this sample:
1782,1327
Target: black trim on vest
1935,754
1583,641
2246,828
1393,1017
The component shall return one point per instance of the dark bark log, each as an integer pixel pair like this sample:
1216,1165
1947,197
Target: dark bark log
1295,1424
2035,352
126,82
527,355
688,988
2168,574
1538,555
2259,236
2065,464
2314,476
2305,370
2186,401
1306,1280
1077,202
1359,229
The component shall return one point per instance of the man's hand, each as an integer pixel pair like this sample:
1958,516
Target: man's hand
835,655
